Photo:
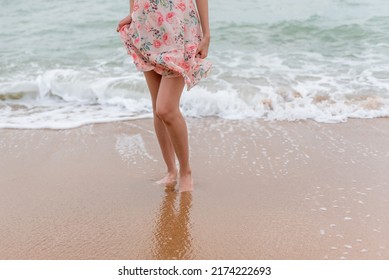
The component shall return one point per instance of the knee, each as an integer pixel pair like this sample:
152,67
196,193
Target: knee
165,114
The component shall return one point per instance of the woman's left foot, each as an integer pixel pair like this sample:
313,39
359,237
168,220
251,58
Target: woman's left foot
186,183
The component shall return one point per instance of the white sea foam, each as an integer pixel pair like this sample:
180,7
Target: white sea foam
63,98
131,147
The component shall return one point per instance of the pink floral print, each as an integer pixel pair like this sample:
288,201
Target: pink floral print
163,36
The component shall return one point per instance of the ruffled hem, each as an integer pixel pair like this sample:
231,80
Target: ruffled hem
171,63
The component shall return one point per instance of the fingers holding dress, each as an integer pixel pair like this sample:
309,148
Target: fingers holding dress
123,22
202,49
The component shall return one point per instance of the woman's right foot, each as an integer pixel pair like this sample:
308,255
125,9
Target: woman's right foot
169,179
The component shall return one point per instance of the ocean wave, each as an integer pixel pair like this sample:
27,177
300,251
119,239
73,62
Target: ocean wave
61,99
317,34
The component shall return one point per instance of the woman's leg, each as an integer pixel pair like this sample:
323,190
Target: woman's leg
153,82
168,110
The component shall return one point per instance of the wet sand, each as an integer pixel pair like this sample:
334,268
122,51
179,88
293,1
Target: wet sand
263,190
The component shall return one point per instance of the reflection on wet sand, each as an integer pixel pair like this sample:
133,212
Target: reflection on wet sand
172,237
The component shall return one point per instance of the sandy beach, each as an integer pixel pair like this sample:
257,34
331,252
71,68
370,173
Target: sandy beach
263,190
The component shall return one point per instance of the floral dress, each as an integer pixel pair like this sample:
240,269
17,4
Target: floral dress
163,36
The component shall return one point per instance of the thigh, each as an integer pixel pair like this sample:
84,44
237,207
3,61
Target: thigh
169,93
153,81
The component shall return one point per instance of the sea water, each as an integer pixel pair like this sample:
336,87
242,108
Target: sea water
63,65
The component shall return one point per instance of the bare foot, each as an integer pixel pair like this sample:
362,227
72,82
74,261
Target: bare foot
186,183
169,179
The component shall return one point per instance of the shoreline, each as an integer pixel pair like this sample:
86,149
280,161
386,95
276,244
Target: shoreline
263,190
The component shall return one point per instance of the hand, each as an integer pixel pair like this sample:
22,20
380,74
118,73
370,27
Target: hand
123,22
202,49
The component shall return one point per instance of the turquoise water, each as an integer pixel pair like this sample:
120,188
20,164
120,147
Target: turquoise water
62,63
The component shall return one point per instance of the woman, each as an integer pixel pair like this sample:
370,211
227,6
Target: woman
168,41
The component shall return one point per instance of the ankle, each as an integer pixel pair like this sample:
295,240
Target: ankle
186,172
172,171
